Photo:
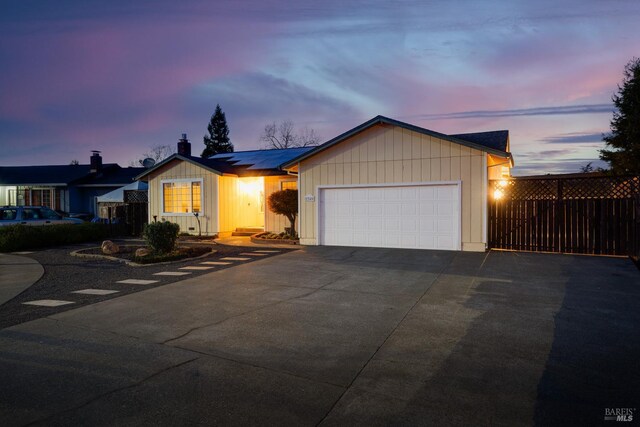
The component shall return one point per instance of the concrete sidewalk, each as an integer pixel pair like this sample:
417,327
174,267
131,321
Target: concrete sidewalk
341,336
17,273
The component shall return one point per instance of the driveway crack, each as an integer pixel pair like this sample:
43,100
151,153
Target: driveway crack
100,396
254,310
444,268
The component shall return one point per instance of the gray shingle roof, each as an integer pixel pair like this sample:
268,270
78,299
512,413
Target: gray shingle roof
111,175
496,139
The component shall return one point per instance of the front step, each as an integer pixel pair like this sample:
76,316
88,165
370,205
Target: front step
247,231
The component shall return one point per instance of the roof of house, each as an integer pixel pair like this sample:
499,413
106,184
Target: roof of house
261,159
115,176
111,175
240,163
478,141
497,139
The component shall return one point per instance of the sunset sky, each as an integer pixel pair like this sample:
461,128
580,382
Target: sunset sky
121,76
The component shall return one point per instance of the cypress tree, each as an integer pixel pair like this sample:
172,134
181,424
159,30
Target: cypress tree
218,139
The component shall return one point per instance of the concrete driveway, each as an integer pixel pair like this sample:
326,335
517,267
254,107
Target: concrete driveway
338,336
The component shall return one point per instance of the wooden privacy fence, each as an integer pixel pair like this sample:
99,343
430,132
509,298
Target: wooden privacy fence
587,215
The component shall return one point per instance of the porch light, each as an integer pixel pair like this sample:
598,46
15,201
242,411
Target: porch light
250,187
502,183
497,194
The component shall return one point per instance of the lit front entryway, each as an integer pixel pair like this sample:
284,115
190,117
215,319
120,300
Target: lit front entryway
252,202
401,216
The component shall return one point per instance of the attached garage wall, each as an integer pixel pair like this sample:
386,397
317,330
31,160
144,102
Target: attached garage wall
386,154
179,169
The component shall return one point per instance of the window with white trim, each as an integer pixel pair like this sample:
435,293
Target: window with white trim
181,196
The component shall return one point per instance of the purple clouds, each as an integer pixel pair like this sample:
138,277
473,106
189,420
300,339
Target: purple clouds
120,77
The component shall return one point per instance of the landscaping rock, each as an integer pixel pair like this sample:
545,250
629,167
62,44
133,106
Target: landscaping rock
142,252
109,248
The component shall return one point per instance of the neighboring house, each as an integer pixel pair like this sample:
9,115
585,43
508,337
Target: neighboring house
68,188
384,183
387,183
228,191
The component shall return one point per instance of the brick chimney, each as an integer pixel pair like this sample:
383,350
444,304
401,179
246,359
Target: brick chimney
96,161
184,146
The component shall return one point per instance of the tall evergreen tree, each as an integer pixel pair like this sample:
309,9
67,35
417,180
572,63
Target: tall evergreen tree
624,139
218,139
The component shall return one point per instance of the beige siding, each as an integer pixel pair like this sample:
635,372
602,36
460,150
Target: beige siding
182,170
388,154
276,223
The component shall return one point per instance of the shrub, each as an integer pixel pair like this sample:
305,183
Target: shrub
161,236
285,202
20,237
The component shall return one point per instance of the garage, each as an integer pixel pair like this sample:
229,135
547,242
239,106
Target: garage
391,184
420,216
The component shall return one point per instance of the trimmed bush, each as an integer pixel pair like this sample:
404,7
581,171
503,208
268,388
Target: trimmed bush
285,202
21,237
161,236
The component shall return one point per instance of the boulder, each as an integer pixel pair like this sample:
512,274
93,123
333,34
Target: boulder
142,252
109,248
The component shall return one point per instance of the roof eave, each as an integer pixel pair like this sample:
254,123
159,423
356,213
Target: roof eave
172,158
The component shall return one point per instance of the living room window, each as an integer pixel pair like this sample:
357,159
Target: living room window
181,196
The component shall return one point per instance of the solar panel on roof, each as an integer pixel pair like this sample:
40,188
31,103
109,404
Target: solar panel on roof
261,159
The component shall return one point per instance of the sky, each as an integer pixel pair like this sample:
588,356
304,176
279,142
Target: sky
122,76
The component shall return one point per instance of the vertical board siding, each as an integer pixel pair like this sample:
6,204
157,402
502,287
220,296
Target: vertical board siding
386,154
179,169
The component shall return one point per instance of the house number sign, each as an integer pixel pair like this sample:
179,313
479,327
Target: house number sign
309,198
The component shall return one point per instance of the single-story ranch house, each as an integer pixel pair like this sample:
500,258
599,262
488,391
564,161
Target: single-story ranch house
384,183
69,188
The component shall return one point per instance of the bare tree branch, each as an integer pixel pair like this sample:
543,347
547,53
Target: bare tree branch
283,135
156,152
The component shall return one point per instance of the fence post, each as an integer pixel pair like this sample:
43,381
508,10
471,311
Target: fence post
560,217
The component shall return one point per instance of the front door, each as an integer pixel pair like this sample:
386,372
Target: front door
252,203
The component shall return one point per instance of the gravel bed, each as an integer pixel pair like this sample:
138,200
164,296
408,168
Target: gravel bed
64,274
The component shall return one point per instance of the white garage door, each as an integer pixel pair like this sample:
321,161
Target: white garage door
417,216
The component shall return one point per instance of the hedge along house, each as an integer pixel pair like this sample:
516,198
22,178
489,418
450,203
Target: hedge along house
228,191
387,183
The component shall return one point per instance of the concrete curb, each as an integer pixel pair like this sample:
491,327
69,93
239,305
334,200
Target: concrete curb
17,273
77,253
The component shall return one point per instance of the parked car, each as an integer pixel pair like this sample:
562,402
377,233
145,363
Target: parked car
33,215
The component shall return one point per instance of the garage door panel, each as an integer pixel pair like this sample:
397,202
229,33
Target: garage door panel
445,207
412,216
444,193
408,209
409,225
391,210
